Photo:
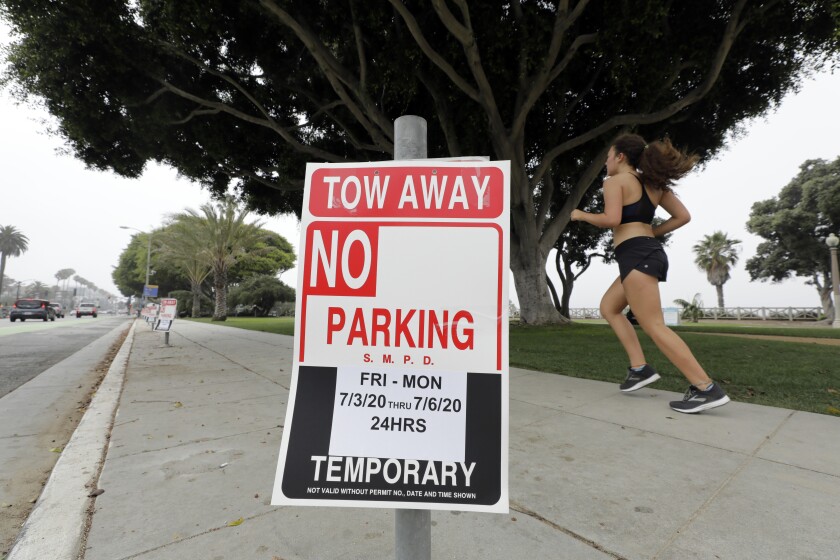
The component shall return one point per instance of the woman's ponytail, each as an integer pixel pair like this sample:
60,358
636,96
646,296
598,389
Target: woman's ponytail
660,162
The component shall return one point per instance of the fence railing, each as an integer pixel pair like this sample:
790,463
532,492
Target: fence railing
731,313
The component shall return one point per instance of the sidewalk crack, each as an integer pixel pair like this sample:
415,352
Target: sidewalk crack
580,538
705,505
243,366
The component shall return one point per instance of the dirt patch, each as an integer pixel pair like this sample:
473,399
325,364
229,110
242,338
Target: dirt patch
28,485
800,339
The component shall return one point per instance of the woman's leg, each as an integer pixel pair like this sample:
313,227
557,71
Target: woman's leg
612,305
642,292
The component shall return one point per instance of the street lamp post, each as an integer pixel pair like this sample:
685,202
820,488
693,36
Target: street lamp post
19,282
833,241
148,259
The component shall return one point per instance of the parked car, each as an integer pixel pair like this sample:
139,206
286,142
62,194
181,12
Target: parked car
29,308
59,309
86,309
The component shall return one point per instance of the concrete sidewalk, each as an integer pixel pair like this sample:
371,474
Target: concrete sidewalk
594,473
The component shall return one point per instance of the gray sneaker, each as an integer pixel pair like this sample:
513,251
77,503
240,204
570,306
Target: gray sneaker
696,400
638,379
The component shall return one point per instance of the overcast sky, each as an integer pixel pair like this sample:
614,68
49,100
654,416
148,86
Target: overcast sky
72,215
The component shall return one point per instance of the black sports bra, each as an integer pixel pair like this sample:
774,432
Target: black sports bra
640,211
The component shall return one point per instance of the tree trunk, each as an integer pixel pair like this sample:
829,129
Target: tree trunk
554,299
535,306
196,303
2,271
220,287
719,288
825,300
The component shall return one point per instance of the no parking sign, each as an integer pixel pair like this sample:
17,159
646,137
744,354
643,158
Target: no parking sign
400,379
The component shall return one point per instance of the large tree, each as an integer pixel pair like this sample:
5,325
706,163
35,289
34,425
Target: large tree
242,94
62,276
130,273
716,255
225,237
183,249
795,225
12,244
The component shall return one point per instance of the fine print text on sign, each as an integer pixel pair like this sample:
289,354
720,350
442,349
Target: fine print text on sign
400,380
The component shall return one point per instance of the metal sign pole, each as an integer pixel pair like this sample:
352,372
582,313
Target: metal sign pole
413,532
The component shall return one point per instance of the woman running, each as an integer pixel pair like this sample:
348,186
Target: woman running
639,179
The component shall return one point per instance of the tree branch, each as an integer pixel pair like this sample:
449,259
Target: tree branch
239,174
549,72
557,224
303,148
444,115
434,57
729,36
567,110
380,128
360,47
212,71
545,200
195,113
464,34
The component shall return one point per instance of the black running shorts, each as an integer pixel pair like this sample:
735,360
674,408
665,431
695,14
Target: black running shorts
644,254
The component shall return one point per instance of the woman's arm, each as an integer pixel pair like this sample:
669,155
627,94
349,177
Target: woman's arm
611,216
679,214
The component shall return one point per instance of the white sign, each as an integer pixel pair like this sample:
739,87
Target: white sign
400,377
168,308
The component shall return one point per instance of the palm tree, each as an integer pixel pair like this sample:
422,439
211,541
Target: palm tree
12,244
184,248
691,310
716,254
63,275
37,289
224,236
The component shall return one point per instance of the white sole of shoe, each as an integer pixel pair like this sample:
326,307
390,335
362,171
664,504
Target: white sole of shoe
702,407
640,384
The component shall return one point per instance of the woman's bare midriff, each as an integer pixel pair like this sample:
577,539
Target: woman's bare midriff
623,232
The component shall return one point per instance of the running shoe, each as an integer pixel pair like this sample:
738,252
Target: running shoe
696,400
638,379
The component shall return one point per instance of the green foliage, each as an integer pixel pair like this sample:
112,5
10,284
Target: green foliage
270,255
12,244
260,293
240,95
130,273
692,310
795,224
716,255
185,303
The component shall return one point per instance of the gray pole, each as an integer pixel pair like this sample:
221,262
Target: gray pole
832,243
148,264
413,533
410,138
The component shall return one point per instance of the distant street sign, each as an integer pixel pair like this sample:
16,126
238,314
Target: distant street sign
150,290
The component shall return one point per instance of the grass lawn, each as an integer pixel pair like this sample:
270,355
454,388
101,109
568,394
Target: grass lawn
799,376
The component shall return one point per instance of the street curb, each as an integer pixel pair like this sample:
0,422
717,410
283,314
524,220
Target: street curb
56,525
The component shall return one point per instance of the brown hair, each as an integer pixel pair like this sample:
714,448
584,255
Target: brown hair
660,162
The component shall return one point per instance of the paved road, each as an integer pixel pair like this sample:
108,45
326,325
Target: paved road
27,349
48,372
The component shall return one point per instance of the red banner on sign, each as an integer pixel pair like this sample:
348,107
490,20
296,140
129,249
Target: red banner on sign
407,192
